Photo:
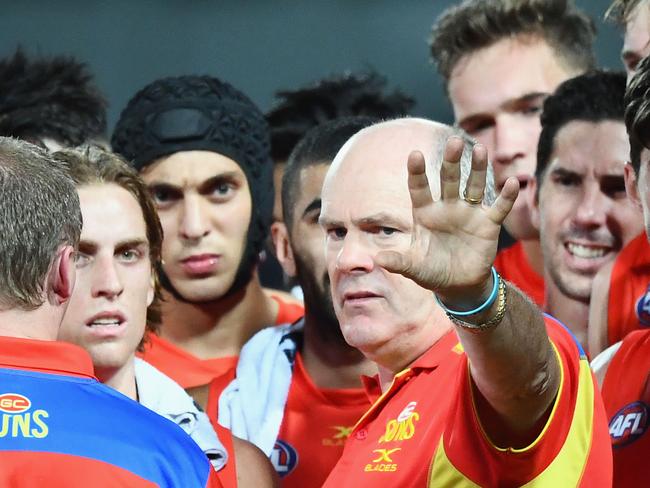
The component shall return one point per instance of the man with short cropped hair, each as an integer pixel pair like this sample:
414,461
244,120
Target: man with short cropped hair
499,59
59,423
301,382
634,17
578,198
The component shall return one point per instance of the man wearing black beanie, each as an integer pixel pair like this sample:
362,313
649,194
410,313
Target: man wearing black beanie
202,148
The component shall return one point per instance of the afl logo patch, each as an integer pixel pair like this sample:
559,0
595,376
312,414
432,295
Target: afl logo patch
643,308
284,458
628,424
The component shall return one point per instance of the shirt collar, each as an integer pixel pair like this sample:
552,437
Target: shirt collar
45,356
431,358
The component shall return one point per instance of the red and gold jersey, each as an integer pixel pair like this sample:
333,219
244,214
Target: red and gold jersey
423,431
190,371
628,306
626,394
513,266
314,428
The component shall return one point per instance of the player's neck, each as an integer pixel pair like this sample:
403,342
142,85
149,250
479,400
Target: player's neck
332,363
40,324
218,328
571,312
121,379
533,252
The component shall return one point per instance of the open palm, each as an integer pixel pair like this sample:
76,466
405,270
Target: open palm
454,240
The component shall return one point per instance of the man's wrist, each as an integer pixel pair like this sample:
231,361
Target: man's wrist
470,300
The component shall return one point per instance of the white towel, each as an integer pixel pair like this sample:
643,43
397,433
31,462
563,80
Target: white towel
158,392
252,405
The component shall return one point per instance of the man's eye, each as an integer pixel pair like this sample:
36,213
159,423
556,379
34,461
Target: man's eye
81,259
532,110
336,233
130,255
162,195
388,231
223,189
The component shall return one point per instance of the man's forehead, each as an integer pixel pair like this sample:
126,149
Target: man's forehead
387,145
372,167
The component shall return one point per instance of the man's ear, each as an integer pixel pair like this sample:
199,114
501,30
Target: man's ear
283,251
533,202
61,276
631,186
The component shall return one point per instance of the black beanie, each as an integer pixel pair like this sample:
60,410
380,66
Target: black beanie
192,113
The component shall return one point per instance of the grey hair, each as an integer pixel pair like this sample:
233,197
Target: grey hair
39,213
465,162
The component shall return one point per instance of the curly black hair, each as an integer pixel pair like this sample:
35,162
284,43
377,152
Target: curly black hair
350,94
50,98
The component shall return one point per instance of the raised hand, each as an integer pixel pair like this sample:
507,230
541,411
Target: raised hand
454,239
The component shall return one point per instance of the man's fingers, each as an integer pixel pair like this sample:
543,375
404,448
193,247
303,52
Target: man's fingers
393,262
475,185
450,169
501,208
418,181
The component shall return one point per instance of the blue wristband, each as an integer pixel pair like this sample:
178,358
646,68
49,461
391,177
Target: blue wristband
485,305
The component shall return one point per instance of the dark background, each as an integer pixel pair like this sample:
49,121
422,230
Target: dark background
260,46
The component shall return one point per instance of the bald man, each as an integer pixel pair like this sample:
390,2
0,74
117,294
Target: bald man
469,390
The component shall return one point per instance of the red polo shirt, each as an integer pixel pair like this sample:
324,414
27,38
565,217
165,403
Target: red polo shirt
424,431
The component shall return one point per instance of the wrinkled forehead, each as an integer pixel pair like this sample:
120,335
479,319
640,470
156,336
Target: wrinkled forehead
369,175
375,159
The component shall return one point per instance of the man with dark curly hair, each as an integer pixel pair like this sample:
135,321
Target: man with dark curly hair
52,102
296,112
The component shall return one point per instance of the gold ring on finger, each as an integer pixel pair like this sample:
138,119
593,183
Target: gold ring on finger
471,201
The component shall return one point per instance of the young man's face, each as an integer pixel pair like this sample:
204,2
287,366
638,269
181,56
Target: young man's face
584,215
636,44
108,309
204,204
497,94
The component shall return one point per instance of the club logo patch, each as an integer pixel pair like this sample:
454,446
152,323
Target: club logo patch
284,458
643,308
628,424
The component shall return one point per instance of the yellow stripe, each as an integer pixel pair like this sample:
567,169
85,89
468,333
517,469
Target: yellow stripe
569,464
443,473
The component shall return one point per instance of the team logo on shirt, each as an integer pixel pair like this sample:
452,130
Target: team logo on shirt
628,424
18,420
341,433
403,427
643,308
284,458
